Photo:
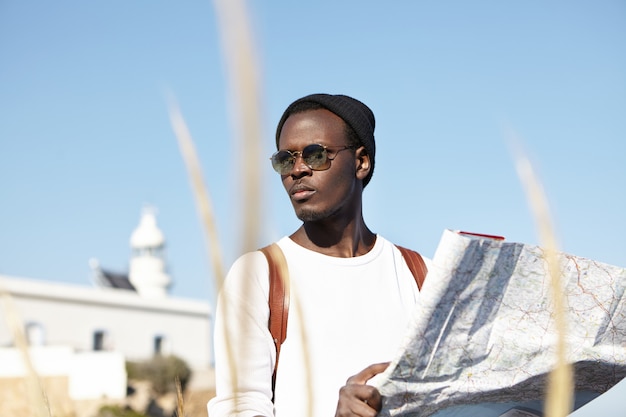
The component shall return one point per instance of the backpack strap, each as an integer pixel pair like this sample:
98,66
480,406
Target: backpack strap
278,299
279,291
416,264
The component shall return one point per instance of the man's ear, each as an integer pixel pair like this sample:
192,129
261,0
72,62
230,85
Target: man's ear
363,165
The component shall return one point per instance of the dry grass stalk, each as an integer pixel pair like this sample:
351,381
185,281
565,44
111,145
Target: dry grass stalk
306,355
200,190
560,388
205,209
242,68
180,403
238,47
38,399
234,30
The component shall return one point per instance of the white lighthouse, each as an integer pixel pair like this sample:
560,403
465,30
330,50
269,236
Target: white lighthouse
147,272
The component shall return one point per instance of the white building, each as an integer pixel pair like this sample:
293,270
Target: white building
81,331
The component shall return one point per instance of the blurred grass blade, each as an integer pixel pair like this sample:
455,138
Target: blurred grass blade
36,392
203,203
306,355
243,70
560,387
200,191
180,402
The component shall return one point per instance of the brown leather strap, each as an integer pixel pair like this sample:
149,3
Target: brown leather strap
278,299
416,264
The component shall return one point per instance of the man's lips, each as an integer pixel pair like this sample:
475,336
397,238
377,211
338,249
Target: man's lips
301,192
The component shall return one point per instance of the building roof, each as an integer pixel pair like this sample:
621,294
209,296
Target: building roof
30,288
114,280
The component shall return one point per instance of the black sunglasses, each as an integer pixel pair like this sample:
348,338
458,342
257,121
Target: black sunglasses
315,156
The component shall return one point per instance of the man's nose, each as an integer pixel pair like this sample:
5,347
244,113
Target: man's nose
299,166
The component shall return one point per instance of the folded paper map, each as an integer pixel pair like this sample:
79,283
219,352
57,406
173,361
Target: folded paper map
482,338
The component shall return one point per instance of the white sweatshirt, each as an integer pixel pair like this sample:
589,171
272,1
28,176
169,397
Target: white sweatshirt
345,314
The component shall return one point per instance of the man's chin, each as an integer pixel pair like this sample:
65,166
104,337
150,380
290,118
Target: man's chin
307,215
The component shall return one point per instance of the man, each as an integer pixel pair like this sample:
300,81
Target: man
351,291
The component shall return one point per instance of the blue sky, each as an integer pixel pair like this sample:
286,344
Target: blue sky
85,139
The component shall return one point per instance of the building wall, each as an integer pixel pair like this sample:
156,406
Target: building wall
87,374
70,315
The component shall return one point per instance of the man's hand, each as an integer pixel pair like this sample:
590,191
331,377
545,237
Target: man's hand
358,399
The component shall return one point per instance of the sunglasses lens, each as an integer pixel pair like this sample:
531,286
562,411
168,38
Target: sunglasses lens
315,156
282,162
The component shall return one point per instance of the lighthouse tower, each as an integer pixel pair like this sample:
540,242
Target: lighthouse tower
147,270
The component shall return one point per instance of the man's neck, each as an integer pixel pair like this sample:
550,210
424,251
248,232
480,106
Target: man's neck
330,238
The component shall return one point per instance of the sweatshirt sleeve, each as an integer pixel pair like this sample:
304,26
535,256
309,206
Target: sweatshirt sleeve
244,350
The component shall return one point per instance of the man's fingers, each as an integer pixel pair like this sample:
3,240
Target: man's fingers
367,373
358,400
